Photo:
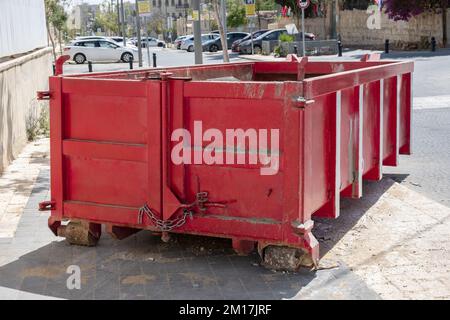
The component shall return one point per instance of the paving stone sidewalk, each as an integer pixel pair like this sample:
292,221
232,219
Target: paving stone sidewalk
393,243
33,264
16,184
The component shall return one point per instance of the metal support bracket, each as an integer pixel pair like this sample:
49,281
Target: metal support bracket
47,205
301,102
44,95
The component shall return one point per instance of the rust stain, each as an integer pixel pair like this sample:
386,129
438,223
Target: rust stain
49,272
137,279
195,277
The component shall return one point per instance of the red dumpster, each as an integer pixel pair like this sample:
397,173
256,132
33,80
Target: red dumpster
248,151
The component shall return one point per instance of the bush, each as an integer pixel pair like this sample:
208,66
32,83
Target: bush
279,52
37,122
286,38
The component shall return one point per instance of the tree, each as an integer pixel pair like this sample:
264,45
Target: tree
56,18
263,5
236,13
292,4
405,9
223,38
106,19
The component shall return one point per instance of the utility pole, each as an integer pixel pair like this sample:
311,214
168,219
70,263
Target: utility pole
138,33
118,16
122,14
198,49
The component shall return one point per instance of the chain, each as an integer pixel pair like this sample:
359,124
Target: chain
164,225
201,202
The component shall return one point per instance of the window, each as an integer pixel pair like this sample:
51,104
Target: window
167,3
173,3
91,44
106,44
272,36
154,3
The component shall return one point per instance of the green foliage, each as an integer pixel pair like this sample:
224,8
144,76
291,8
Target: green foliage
263,5
56,14
236,13
286,37
279,52
37,124
214,25
106,19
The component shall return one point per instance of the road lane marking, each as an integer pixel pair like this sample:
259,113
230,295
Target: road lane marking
433,102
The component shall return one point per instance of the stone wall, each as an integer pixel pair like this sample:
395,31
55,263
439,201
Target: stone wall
20,78
352,26
413,34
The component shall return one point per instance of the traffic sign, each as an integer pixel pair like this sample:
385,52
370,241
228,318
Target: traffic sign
303,4
145,8
250,8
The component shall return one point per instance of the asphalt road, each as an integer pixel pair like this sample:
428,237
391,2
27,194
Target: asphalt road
164,58
428,169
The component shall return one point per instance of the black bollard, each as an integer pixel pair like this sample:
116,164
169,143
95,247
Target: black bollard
433,44
386,46
154,60
131,62
90,66
295,50
339,48
54,69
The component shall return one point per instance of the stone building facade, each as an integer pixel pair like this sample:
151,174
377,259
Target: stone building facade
351,23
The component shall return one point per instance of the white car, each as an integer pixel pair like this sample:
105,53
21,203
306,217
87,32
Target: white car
119,41
152,42
99,50
188,42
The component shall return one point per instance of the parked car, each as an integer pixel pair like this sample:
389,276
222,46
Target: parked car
188,43
99,50
256,34
90,38
178,40
152,42
246,46
216,44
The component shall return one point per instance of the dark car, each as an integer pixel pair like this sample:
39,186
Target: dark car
256,34
216,44
245,47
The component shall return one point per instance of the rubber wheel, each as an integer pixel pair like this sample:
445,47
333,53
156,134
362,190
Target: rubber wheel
257,50
79,58
213,48
190,49
160,44
126,57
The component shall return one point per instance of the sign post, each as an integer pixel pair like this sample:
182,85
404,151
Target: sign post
145,9
250,12
303,4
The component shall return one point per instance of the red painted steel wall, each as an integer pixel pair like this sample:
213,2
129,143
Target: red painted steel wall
339,122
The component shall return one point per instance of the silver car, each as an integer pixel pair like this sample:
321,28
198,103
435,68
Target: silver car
188,43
